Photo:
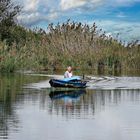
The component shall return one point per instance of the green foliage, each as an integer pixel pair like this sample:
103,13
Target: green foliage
70,43
8,13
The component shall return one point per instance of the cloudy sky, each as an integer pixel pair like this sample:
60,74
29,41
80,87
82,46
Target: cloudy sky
114,16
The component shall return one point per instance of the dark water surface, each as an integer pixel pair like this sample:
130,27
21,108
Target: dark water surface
92,114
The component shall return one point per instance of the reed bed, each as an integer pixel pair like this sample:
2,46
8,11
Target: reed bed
70,43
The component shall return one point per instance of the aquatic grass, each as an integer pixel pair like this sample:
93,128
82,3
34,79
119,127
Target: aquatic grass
69,43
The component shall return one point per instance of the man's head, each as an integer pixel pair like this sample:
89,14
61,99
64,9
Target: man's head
69,68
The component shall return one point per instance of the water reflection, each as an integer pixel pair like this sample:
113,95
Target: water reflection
87,105
66,102
75,114
10,89
8,118
71,94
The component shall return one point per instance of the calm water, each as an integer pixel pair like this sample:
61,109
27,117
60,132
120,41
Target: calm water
108,110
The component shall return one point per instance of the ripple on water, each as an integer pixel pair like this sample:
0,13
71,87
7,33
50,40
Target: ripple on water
97,83
101,111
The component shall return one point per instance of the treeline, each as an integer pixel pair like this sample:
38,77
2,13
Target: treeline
69,43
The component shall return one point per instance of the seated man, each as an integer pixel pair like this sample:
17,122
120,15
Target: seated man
68,73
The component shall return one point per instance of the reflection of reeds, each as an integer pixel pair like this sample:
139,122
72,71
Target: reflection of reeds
93,102
70,43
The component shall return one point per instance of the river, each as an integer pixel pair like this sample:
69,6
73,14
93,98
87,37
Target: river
108,109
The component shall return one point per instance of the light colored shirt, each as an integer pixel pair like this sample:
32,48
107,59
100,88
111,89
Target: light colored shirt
68,74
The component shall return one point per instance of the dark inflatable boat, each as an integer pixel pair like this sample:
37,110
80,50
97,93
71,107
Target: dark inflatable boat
73,82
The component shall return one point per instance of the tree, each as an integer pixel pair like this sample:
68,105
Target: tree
8,14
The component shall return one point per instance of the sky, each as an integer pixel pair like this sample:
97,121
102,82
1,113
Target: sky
113,16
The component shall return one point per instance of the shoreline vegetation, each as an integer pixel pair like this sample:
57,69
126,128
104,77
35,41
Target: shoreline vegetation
70,43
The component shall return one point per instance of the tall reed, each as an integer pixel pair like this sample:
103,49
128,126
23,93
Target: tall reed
69,43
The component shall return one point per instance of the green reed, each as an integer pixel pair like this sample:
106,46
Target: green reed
70,43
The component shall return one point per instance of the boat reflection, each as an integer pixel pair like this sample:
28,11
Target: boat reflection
67,97
73,94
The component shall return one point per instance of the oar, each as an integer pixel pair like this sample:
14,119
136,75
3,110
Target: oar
83,78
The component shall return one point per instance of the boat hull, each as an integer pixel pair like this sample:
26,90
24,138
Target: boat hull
68,84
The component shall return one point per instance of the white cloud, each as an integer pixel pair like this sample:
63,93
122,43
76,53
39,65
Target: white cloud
52,15
37,11
51,9
121,15
118,3
29,19
31,5
68,4
128,31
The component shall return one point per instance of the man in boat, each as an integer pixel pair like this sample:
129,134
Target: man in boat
68,73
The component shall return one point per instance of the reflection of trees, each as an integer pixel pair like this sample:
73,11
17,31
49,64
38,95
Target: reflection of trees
8,91
83,105
8,117
94,101
10,88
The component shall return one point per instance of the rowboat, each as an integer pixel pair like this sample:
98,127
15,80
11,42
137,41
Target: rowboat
73,82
